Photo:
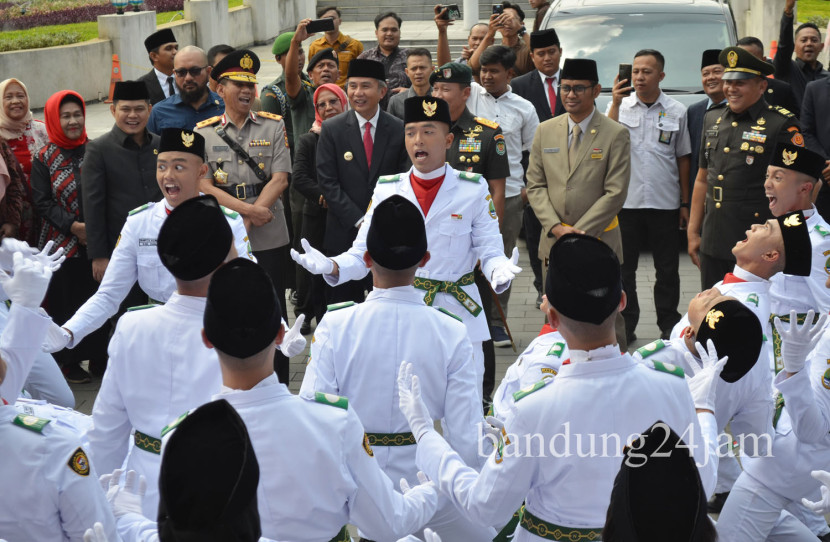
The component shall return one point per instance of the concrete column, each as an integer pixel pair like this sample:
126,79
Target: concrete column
211,18
265,20
127,33
470,13
764,21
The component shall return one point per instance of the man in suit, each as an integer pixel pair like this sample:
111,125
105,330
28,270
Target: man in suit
354,150
814,110
580,164
161,47
806,44
711,75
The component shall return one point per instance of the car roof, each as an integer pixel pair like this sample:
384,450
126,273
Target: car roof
638,6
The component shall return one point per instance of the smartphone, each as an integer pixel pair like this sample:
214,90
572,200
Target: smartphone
452,14
320,25
498,9
625,73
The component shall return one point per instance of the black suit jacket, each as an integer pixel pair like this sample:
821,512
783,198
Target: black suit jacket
152,82
814,113
694,120
530,87
345,178
780,93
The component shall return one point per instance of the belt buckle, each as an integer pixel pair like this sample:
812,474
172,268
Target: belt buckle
717,193
242,186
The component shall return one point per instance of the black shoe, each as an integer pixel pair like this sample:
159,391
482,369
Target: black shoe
500,338
74,374
715,504
292,297
97,367
305,329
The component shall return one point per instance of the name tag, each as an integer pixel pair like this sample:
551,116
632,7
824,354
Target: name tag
147,242
712,132
596,154
217,148
548,151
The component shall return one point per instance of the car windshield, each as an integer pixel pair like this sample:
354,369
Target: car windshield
613,39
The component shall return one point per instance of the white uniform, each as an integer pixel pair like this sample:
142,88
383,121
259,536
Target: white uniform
158,368
316,469
802,443
542,358
136,258
601,395
137,528
347,358
50,490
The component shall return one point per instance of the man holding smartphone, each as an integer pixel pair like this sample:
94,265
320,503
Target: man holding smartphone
345,47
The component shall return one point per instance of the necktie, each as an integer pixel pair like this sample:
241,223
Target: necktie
170,86
368,144
551,95
574,145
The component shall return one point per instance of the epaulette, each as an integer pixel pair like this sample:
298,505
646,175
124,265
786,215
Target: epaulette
667,368
651,348
229,212
448,313
267,115
32,423
486,122
469,176
139,209
142,307
338,306
331,400
521,394
208,122
781,110
174,424
389,178
556,349
821,230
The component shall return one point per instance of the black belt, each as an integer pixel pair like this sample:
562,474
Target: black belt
242,190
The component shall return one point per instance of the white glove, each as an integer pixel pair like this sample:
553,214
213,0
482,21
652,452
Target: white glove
313,260
798,341
821,507
703,384
52,261
494,428
27,287
293,342
431,536
126,499
107,479
504,273
8,246
411,403
422,481
96,534
57,338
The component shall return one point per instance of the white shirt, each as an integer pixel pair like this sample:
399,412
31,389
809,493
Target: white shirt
583,125
163,82
659,136
361,122
518,120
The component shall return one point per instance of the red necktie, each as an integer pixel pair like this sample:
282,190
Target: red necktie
551,95
729,278
368,144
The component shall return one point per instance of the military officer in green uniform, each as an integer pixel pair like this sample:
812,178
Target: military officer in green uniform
736,146
249,163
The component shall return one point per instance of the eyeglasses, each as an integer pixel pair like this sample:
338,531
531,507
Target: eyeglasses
577,89
194,71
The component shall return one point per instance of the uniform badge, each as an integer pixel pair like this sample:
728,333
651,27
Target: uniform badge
825,380
366,445
798,139
79,462
491,208
792,221
500,148
220,177
752,298
762,121
744,146
732,59
261,165
246,63
347,156
469,145
750,160
476,158
713,317
556,350
759,149
456,216
447,73
187,139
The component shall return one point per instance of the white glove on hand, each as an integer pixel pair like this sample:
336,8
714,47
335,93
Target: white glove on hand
821,507
504,273
127,499
703,384
56,340
96,534
293,342
313,260
423,481
495,429
798,341
28,285
52,261
411,403
8,247
431,536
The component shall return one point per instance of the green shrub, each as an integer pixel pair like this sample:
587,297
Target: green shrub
47,36
819,20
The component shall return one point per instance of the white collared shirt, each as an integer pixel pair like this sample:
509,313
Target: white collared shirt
583,126
362,123
163,82
608,351
518,120
743,274
555,77
659,136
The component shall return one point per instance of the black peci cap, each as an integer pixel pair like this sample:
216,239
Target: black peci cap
179,140
798,158
578,69
543,38
363,67
397,238
130,90
157,39
798,250
709,58
736,332
426,109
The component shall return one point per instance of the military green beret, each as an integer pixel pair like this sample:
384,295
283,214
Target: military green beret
282,43
452,72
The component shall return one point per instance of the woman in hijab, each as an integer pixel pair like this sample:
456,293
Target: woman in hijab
56,187
24,136
329,101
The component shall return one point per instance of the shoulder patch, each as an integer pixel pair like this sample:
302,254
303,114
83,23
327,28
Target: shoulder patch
338,306
229,212
366,446
448,313
32,423
825,380
752,298
486,122
668,368
651,348
79,462
174,424
522,393
331,400
142,307
469,176
389,178
267,115
208,122
139,209
556,349
821,230
783,111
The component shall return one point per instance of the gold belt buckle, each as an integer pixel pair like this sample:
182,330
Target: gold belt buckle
717,193
242,186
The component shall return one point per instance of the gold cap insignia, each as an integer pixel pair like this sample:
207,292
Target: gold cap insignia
732,59
187,139
792,221
789,157
246,63
430,108
447,73
713,317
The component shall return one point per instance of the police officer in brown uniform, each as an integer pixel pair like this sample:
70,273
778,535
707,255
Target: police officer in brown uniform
249,163
735,150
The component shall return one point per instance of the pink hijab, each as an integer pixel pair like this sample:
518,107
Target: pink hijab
337,91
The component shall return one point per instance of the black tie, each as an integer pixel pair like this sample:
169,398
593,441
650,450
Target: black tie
170,86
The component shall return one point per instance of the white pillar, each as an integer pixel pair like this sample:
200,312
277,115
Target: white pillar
265,20
470,10
127,33
211,18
